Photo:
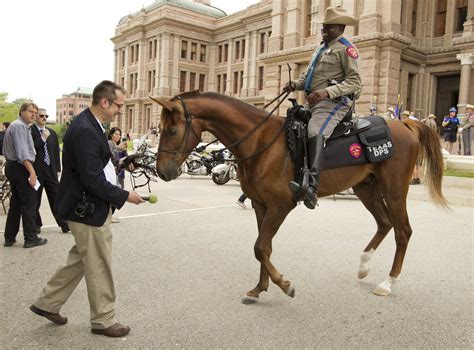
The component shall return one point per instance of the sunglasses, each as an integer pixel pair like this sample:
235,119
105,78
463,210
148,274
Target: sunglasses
43,116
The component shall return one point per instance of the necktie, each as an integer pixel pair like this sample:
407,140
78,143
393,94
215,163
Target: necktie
46,154
309,76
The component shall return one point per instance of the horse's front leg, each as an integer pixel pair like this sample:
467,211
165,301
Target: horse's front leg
262,286
269,226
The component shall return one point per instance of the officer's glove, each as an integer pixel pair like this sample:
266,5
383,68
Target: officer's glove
289,87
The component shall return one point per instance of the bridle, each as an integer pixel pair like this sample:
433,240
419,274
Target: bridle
189,128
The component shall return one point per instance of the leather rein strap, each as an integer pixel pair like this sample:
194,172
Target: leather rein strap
189,127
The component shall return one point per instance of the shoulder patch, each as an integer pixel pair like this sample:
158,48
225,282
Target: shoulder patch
351,51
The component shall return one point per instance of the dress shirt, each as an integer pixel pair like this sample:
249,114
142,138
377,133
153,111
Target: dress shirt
18,144
109,170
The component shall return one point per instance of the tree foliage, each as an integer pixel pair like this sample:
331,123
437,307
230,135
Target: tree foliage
9,110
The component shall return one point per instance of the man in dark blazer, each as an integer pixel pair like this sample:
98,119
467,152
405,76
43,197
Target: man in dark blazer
47,166
87,196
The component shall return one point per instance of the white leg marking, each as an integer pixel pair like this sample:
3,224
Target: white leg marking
364,267
385,288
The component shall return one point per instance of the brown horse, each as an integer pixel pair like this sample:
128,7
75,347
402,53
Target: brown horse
265,172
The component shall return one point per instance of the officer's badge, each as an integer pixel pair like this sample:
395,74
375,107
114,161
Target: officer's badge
351,51
355,150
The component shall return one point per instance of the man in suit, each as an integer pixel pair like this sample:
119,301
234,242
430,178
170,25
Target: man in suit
87,196
47,166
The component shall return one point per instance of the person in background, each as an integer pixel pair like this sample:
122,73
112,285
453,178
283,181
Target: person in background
390,114
467,124
373,110
20,154
412,116
241,201
87,196
405,115
47,166
4,127
114,138
450,125
430,121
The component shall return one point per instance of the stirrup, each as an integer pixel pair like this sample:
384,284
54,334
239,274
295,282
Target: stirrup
310,202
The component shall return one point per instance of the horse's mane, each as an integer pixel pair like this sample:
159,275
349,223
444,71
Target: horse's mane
236,103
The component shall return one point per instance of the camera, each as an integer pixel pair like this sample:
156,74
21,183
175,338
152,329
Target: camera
124,139
84,207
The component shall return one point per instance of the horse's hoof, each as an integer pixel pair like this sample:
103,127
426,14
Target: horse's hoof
382,291
247,300
291,291
363,273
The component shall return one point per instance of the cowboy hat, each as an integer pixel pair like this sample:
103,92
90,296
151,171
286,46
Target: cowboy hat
406,113
432,116
390,109
337,15
468,106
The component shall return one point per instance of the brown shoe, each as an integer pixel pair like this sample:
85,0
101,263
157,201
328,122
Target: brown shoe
116,330
55,318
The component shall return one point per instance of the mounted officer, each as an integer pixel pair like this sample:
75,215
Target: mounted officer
331,83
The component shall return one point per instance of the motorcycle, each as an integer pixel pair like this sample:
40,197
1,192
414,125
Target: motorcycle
199,163
222,173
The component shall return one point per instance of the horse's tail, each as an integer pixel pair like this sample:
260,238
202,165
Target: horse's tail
430,151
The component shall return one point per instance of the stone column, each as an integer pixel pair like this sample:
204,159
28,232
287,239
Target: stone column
157,69
164,88
292,34
175,73
245,84
230,56
125,71
252,77
465,80
211,78
116,65
141,84
275,42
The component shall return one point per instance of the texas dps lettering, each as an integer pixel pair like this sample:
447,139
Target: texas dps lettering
381,150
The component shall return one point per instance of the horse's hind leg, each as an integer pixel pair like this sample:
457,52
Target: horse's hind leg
370,195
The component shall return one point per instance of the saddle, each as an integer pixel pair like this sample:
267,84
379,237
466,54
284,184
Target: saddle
355,141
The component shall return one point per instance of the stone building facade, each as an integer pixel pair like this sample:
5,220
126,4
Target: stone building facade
422,50
72,104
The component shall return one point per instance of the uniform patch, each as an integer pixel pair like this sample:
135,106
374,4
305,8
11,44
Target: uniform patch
351,51
355,150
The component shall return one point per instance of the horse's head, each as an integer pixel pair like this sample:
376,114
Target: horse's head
179,134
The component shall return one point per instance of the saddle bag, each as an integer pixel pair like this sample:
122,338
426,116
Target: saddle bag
377,142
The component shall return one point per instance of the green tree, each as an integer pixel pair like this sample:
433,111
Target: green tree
9,110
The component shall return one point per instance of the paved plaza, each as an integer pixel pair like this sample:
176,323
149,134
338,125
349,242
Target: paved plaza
182,265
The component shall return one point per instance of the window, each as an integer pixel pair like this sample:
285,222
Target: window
413,17
192,81
311,20
184,49
148,117
261,73
202,79
155,44
122,59
219,55
440,18
132,53
241,79
410,85
243,48
219,83
182,81
224,83
202,55
193,51
237,50
461,15
236,83
262,42
226,52
136,53
150,50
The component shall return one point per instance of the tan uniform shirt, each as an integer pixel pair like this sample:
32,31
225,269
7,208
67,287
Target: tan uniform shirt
337,63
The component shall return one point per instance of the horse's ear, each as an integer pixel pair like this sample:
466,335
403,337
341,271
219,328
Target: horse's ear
166,104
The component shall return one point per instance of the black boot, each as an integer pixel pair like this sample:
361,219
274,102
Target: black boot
315,159
315,163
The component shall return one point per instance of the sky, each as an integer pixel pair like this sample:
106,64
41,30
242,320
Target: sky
39,58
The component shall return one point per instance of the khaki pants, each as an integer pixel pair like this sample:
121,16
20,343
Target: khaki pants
91,258
325,116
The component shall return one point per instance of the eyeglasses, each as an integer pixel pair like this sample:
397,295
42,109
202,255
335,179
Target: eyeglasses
115,103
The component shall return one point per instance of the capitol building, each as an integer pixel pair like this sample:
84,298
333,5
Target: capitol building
422,50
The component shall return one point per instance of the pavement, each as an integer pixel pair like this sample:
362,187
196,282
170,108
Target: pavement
181,266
